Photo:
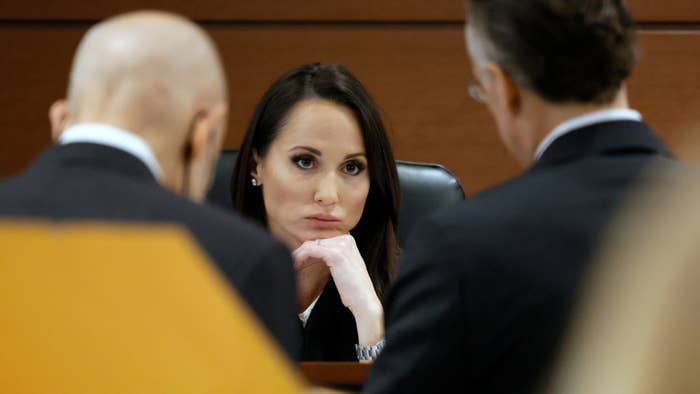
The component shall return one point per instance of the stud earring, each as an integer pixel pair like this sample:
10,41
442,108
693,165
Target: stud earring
253,182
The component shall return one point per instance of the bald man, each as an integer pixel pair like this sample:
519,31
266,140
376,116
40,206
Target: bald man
137,140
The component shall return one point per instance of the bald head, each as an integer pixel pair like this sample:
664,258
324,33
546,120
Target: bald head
146,72
159,76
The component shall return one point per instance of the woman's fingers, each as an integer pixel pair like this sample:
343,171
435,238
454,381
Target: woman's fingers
309,253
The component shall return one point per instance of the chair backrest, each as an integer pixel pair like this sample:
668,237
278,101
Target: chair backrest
425,188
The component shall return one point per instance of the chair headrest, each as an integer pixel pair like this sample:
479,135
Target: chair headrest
425,188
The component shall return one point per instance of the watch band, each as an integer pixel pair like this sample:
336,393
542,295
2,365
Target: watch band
369,353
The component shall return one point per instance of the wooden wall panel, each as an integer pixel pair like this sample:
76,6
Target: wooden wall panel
246,10
686,11
665,87
417,73
306,10
34,66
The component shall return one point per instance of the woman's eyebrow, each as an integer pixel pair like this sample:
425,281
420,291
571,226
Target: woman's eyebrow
312,150
355,155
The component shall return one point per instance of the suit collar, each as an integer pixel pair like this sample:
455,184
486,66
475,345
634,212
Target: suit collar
96,157
104,134
585,120
604,138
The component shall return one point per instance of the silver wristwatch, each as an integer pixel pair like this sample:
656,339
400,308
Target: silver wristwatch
369,353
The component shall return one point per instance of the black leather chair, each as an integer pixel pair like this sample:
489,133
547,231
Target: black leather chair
425,187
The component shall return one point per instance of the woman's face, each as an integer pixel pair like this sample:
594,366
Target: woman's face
314,176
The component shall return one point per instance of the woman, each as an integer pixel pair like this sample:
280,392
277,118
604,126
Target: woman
317,170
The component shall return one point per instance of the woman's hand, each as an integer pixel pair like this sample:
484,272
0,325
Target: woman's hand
342,258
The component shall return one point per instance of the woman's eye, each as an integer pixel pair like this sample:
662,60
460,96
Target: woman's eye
353,168
305,163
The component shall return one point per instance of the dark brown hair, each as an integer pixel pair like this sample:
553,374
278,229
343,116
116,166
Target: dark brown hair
375,233
564,50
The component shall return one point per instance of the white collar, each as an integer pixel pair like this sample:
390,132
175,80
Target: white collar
304,316
103,134
583,121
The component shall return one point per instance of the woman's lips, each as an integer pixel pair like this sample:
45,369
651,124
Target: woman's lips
323,221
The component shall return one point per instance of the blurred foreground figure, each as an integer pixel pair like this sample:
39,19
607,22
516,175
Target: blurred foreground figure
82,314
137,139
638,331
484,290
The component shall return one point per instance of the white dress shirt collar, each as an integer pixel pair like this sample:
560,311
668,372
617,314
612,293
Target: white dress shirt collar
304,316
583,121
103,134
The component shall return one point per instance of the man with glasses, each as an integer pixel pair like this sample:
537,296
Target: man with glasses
485,289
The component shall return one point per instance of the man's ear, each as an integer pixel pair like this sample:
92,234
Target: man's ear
208,132
58,114
508,92
202,149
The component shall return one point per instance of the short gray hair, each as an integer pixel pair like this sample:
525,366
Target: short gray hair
564,50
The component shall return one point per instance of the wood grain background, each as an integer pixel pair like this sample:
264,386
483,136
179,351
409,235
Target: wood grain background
410,54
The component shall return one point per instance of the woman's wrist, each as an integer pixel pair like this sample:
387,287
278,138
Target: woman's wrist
369,320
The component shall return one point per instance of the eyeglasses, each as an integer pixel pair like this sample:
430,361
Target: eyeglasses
476,92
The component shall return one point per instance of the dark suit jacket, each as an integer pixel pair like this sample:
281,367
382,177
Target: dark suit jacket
90,181
330,333
485,289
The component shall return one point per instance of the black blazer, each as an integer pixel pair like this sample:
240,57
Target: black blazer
484,290
330,333
90,181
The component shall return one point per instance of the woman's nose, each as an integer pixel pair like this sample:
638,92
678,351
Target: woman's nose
327,190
